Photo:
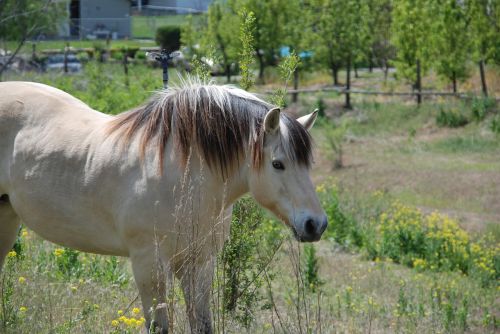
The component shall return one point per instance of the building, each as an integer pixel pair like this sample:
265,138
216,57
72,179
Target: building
98,19
172,6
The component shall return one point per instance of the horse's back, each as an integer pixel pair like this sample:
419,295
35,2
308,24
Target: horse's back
32,92
28,105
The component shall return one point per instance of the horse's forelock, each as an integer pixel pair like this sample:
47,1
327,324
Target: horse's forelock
217,122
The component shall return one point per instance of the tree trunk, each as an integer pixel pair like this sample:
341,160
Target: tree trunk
295,96
335,75
370,65
66,50
348,85
228,73
418,84
483,78
125,67
386,70
454,80
260,58
356,71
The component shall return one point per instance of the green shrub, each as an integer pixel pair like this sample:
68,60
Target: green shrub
495,125
481,107
141,55
451,118
312,280
321,106
342,227
117,55
169,37
431,242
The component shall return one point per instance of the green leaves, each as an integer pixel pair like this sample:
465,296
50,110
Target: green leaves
247,29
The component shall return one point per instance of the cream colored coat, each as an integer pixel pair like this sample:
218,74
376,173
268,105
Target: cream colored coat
72,184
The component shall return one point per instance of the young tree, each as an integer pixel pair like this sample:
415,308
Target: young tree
296,32
342,30
222,34
451,42
326,36
411,27
269,28
21,20
484,27
381,50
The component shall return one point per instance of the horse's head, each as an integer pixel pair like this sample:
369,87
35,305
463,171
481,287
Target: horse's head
282,183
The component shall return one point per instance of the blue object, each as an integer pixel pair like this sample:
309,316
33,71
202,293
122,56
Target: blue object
285,52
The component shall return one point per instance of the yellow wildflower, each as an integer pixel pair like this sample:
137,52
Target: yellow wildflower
120,312
115,323
58,252
23,309
136,310
24,233
12,254
21,279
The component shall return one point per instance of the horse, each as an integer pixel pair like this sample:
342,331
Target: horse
155,183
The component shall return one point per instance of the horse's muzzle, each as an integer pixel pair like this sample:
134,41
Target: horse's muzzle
312,230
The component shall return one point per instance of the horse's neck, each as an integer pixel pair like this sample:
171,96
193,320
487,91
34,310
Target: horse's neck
237,184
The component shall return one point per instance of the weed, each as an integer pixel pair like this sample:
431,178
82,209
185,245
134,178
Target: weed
311,269
452,118
495,125
480,107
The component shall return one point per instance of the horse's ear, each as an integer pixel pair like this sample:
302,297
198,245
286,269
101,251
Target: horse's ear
272,120
308,120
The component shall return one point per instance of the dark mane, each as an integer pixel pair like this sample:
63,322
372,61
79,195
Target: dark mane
218,122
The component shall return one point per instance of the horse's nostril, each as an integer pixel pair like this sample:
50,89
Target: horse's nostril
309,227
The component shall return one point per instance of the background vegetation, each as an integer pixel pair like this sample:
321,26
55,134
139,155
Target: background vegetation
411,191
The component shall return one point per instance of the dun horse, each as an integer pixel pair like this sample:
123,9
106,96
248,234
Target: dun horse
155,184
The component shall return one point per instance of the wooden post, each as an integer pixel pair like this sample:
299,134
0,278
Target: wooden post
33,51
483,78
454,79
108,46
295,96
348,85
66,50
125,66
419,84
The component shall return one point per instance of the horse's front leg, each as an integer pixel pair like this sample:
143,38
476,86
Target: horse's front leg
196,283
150,274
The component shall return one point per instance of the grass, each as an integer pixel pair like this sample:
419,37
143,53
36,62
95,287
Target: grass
61,44
145,26
393,149
355,295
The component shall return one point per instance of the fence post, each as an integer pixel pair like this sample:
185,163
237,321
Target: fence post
419,84
348,85
125,65
483,78
66,50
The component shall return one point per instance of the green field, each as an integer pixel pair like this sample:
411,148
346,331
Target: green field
145,26
398,168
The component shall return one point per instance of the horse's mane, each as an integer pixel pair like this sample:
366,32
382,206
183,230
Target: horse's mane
218,122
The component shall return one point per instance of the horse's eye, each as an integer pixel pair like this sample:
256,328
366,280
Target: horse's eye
278,165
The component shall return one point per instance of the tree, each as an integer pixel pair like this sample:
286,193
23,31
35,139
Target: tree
411,28
269,33
222,34
381,50
296,31
484,27
326,33
451,41
342,33
21,20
